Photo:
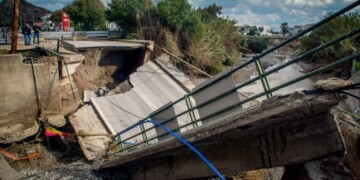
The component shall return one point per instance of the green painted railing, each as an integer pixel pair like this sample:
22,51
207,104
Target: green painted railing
262,76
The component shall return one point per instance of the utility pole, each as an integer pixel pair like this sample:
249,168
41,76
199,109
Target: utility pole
15,27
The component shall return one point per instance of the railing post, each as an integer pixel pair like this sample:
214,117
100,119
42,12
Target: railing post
263,78
118,140
191,112
142,128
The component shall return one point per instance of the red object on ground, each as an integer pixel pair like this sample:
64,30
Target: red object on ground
14,158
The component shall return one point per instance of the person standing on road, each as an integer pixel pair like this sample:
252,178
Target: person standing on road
26,31
36,29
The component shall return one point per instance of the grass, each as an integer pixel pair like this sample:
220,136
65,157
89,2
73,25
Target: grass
357,65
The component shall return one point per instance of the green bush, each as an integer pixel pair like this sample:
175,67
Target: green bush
216,68
357,65
257,45
87,14
199,36
331,30
228,62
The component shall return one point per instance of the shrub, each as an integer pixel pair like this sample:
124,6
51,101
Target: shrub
333,29
216,68
357,65
228,62
257,45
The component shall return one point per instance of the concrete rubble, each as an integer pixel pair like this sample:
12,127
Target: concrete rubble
153,85
7,172
120,111
94,139
332,83
279,133
28,90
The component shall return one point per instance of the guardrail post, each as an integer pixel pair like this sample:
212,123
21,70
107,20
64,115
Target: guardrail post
143,133
118,140
191,112
263,78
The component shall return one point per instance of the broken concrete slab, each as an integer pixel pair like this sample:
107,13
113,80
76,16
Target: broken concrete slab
87,95
18,130
18,82
18,94
215,90
165,64
157,88
121,111
7,172
152,89
160,116
86,122
332,83
70,63
56,120
287,132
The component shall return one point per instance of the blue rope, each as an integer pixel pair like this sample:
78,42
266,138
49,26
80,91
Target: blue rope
202,157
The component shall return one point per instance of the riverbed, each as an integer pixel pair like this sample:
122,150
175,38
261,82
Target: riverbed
277,78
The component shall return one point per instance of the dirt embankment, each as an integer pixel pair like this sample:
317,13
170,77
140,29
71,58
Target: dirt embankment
107,68
89,75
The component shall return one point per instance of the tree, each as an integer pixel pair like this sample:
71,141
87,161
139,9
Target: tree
257,45
254,31
333,29
284,28
329,31
56,17
127,13
174,12
261,29
87,14
213,10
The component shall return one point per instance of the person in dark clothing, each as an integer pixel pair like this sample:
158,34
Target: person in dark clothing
36,29
26,31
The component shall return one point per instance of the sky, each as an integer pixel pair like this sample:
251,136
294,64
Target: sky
253,12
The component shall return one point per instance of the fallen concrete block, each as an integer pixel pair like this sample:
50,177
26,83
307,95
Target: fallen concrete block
87,95
332,83
7,172
86,122
17,131
56,120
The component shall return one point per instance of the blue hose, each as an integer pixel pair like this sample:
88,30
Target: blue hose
178,138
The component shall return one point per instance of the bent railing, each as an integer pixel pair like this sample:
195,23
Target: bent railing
262,77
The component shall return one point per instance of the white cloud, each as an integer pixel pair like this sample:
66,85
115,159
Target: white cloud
309,2
253,19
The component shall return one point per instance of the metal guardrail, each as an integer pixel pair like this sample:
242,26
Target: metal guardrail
71,34
262,76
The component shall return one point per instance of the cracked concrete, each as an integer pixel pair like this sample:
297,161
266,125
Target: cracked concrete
245,140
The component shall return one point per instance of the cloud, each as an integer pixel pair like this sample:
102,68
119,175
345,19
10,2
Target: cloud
309,2
275,12
253,12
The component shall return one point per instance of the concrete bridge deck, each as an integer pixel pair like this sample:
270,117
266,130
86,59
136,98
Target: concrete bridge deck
275,133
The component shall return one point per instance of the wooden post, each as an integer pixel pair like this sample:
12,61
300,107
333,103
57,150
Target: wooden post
15,26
